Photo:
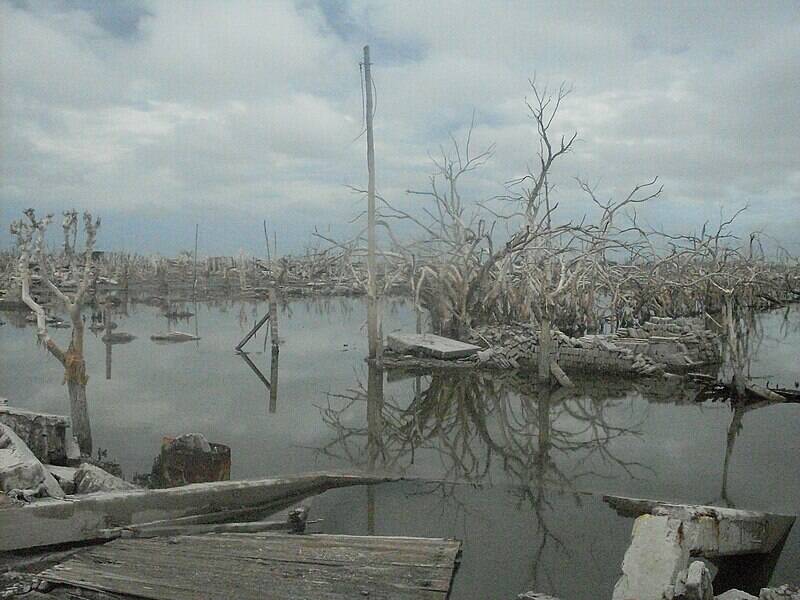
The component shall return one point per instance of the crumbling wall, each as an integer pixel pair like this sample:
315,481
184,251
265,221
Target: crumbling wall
45,435
660,344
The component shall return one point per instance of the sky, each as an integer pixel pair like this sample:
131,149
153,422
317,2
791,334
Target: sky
159,115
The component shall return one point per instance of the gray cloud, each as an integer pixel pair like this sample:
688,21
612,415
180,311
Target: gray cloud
226,112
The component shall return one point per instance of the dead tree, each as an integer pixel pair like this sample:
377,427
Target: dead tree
70,228
559,269
30,239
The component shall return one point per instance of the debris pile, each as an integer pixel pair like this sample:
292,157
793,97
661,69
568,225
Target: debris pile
661,344
679,343
517,346
22,475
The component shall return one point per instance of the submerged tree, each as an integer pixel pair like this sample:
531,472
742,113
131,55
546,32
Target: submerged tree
30,239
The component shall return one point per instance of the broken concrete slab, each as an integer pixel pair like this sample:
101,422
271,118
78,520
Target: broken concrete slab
653,560
744,545
81,518
90,478
713,531
21,473
65,476
430,345
44,434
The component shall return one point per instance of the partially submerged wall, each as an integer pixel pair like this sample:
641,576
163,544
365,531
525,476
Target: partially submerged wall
659,345
46,435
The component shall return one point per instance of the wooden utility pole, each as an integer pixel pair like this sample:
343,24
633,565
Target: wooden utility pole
372,290
266,241
194,271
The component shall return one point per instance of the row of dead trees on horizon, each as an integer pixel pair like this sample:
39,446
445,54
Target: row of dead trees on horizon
557,274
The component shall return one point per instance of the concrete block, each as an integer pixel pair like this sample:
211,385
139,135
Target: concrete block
428,344
21,470
45,435
653,560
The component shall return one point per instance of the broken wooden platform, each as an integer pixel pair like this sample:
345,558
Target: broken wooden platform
275,566
429,345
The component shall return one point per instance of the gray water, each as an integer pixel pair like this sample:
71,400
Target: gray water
527,467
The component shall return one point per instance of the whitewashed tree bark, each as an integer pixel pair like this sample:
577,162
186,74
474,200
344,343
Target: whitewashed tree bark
30,238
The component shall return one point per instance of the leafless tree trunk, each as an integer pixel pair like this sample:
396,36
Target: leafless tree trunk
372,292
30,234
545,343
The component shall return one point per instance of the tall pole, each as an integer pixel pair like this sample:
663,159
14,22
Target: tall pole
372,295
194,274
266,241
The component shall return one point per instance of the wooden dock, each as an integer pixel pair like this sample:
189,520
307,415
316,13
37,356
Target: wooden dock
256,566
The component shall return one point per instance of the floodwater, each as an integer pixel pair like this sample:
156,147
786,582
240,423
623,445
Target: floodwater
525,469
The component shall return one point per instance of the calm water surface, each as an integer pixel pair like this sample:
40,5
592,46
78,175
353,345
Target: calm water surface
527,466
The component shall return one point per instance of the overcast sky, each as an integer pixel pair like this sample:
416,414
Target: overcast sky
158,115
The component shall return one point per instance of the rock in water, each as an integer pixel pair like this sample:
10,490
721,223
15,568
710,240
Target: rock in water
21,472
190,458
90,478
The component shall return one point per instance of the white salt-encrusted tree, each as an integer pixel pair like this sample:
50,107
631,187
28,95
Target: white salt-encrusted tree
30,239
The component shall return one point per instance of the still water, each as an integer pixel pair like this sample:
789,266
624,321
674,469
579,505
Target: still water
525,468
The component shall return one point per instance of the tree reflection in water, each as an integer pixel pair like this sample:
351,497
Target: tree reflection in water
478,424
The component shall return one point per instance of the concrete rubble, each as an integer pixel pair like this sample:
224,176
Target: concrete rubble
784,592
654,559
22,475
90,478
659,345
430,345
47,436
102,515
666,536
35,451
694,583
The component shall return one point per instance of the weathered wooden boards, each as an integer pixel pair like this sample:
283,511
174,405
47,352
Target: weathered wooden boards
50,521
428,344
275,566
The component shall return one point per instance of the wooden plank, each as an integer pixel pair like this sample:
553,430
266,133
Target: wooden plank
81,518
278,566
428,344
